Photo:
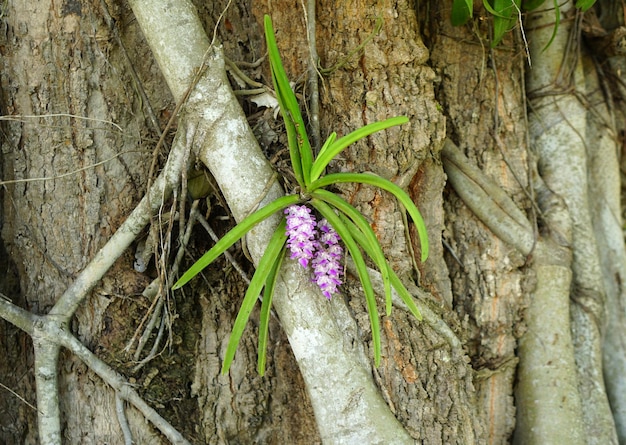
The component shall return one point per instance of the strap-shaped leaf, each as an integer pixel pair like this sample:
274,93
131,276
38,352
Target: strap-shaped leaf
263,271
503,20
461,11
401,195
328,213
340,144
327,144
299,146
395,281
583,5
368,240
234,235
266,306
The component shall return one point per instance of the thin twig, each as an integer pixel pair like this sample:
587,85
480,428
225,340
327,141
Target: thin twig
313,73
21,117
521,27
155,312
204,223
123,421
64,175
153,351
255,64
154,289
237,72
252,92
217,23
34,408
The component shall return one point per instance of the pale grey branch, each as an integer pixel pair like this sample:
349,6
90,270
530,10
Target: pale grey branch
488,201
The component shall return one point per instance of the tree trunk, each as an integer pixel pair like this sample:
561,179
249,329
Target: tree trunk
66,82
481,90
88,104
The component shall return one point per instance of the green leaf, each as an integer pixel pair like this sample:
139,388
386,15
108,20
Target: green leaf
263,271
369,237
395,281
328,213
327,144
529,5
461,11
505,14
299,145
557,21
493,12
375,180
339,145
266,306
583,5
234,235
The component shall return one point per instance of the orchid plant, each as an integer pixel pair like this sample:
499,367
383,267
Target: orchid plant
314,243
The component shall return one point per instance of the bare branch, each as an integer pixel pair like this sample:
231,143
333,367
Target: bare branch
53,332
488,201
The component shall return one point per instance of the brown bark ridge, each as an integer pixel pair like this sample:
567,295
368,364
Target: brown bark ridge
481,91
78,122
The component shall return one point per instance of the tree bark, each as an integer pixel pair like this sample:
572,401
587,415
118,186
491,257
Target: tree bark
481,92
62,81
76,157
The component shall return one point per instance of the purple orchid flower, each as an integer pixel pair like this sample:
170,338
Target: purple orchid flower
327,261
301,233
321,247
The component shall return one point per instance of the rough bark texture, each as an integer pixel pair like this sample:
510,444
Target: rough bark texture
63,63
481,91
60,61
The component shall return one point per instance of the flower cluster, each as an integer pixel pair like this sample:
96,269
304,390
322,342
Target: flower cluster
321,247
327,261
301,233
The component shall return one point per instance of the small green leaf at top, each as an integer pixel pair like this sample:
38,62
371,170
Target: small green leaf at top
505,14
583,5
461,11
529,5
